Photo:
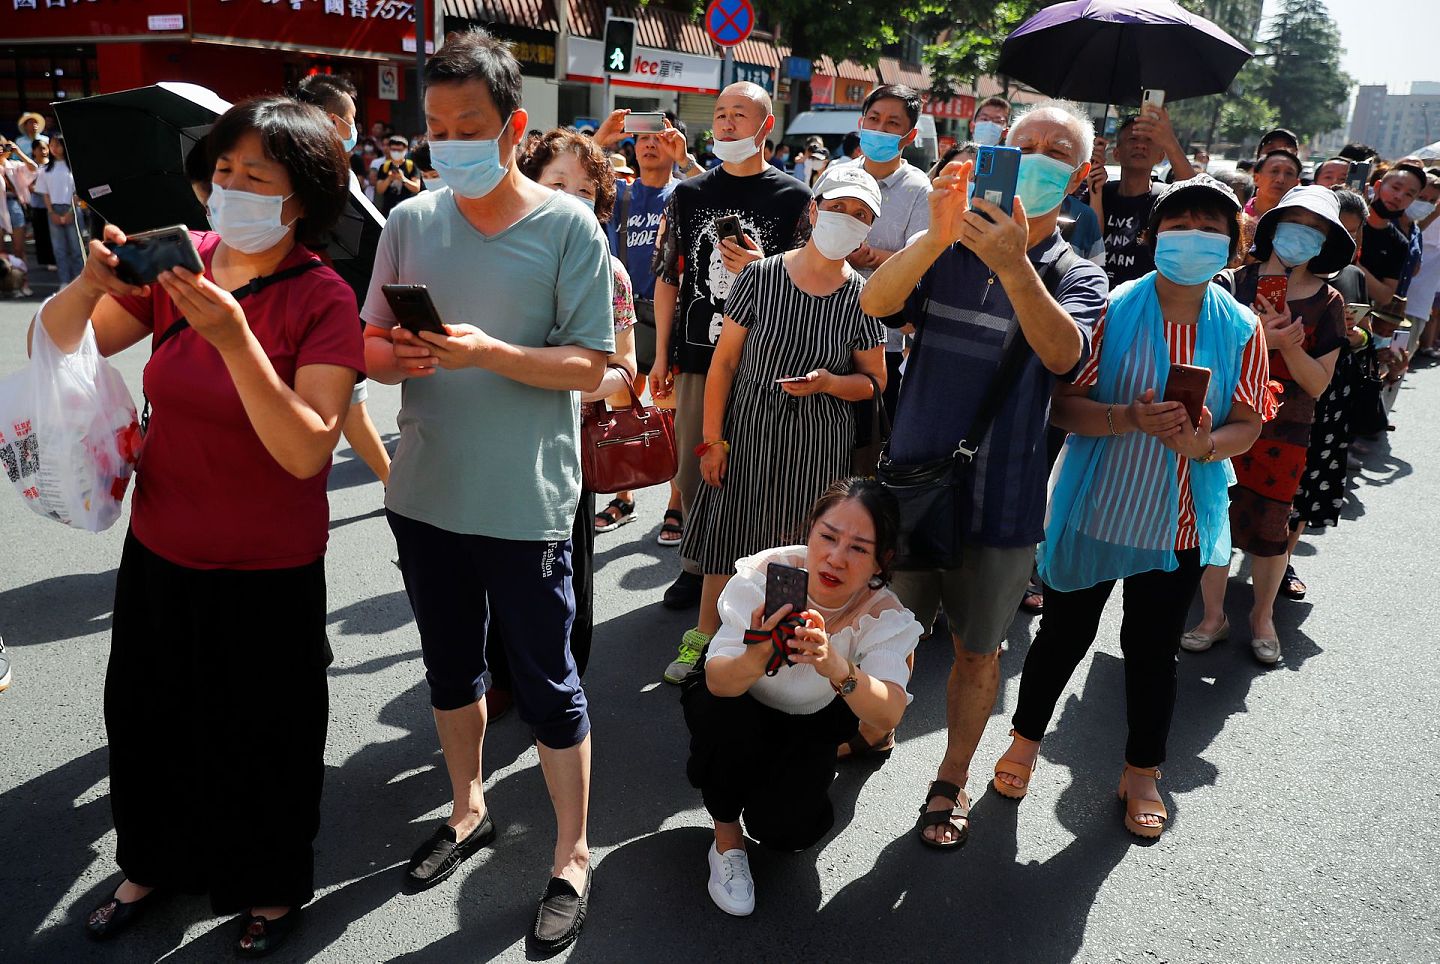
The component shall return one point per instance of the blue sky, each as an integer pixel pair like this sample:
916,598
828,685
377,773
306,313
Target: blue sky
1387,41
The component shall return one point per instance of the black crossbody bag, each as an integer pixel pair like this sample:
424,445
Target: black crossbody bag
254,286
935,497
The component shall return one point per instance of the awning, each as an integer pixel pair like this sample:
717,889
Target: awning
535,14
654,26
892,71
846,70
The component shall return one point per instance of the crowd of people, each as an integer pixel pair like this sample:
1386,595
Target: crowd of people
856,281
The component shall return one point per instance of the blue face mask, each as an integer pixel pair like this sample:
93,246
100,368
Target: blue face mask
1191,257
1296,244
880,146
471,168
1042,183
354,138
987,133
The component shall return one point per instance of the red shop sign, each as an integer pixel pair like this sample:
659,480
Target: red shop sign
376,27
87,20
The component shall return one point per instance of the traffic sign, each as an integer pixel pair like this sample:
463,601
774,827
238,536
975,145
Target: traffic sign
729,22
619,53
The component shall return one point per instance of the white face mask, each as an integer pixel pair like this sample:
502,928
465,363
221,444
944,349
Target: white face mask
249,223
1420,210
736,152
837,234
397,156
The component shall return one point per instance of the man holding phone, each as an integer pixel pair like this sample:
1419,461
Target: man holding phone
486,481
975,284
695,267
1141,143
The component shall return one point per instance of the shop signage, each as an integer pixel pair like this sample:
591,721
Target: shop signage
387,83
797,68
90,20
956,108
660,69
168,21
756,74
535,49
361,27
822,89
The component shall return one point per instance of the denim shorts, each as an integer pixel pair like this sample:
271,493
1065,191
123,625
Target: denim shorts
17,211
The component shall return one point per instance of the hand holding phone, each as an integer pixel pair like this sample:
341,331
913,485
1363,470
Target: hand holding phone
413,308
644,122
1152,97
1187,384
730,228
786,585
146,254
997,171
1273,287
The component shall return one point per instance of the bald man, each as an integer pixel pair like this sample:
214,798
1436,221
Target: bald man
696,270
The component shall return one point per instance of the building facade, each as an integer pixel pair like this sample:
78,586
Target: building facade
1396,124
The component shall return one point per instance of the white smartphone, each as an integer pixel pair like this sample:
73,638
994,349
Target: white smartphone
1155,98
1401,341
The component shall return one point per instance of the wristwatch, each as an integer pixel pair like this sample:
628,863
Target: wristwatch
848,686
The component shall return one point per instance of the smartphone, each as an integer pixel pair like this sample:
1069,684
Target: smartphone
794,380
1359,174
730,227
147,253
786,584
1358,311
1400,341
1152,98
644,122
996,171
413,308
1187,385
1273,287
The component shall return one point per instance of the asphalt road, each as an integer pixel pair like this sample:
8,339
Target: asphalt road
1304,797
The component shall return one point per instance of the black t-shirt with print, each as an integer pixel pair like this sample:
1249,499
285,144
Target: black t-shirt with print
772,207
1127,256
1383,251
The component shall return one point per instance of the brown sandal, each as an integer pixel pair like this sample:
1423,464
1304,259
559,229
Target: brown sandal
1135,808
935,818
858,747
1017,770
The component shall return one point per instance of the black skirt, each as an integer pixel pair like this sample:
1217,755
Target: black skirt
216,707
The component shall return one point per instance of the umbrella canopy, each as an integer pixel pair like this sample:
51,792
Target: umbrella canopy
127,152
1429,153
1108,51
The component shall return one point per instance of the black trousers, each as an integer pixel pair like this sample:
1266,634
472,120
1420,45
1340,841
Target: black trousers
216,707
40,231
770,767
893,360
582,581
1156,604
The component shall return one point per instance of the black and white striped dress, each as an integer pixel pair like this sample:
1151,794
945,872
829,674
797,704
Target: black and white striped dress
785,451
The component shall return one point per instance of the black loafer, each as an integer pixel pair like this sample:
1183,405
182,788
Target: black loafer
561,913
114,917
260,935
438,857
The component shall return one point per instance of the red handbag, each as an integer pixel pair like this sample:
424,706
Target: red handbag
626,448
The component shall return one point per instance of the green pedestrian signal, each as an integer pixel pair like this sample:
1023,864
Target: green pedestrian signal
619,52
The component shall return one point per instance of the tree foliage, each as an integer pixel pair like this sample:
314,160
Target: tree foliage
1304,81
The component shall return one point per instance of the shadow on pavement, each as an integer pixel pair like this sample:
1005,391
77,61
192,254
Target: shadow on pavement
58,609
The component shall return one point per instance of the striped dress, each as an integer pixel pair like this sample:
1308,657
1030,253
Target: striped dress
784,451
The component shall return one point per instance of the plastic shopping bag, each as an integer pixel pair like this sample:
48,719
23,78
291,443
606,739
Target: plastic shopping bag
69,438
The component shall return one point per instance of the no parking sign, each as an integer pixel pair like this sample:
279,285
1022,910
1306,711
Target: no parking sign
729,22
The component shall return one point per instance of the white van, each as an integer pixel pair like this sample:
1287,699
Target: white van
831,126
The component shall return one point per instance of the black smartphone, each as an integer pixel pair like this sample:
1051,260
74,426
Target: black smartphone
413,308
786,584
1187,384
997,169
644,122
730,227
1359,174
147,253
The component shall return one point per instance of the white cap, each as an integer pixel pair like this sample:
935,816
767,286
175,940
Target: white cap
849,180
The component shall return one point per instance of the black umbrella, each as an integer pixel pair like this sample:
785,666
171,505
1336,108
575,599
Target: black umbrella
127,152
1108,51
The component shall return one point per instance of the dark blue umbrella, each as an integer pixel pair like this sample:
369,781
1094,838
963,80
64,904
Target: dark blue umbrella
1108,51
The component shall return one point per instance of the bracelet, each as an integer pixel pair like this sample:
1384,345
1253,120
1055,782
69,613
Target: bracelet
703,447
1210,455
1110,420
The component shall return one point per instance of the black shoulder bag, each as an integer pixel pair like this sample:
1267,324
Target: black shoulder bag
254,286
935,497
872,431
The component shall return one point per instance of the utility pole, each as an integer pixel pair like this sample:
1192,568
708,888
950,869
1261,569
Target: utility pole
420,33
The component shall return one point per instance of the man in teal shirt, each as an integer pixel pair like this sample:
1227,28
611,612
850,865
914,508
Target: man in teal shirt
485,484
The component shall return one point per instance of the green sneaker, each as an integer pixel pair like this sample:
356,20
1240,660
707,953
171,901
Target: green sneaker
692,644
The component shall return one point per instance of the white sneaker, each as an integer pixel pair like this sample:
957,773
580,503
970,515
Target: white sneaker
731,886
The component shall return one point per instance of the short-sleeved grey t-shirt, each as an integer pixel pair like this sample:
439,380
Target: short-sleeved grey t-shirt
480,453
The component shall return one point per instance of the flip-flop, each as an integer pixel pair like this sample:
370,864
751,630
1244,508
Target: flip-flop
1033,591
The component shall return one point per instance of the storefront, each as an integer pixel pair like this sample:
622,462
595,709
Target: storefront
62,49
537,52
952,117
843,85
658,80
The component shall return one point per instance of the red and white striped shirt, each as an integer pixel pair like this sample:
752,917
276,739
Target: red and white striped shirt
1253,391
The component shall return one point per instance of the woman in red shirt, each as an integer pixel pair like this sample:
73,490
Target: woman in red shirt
216,701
